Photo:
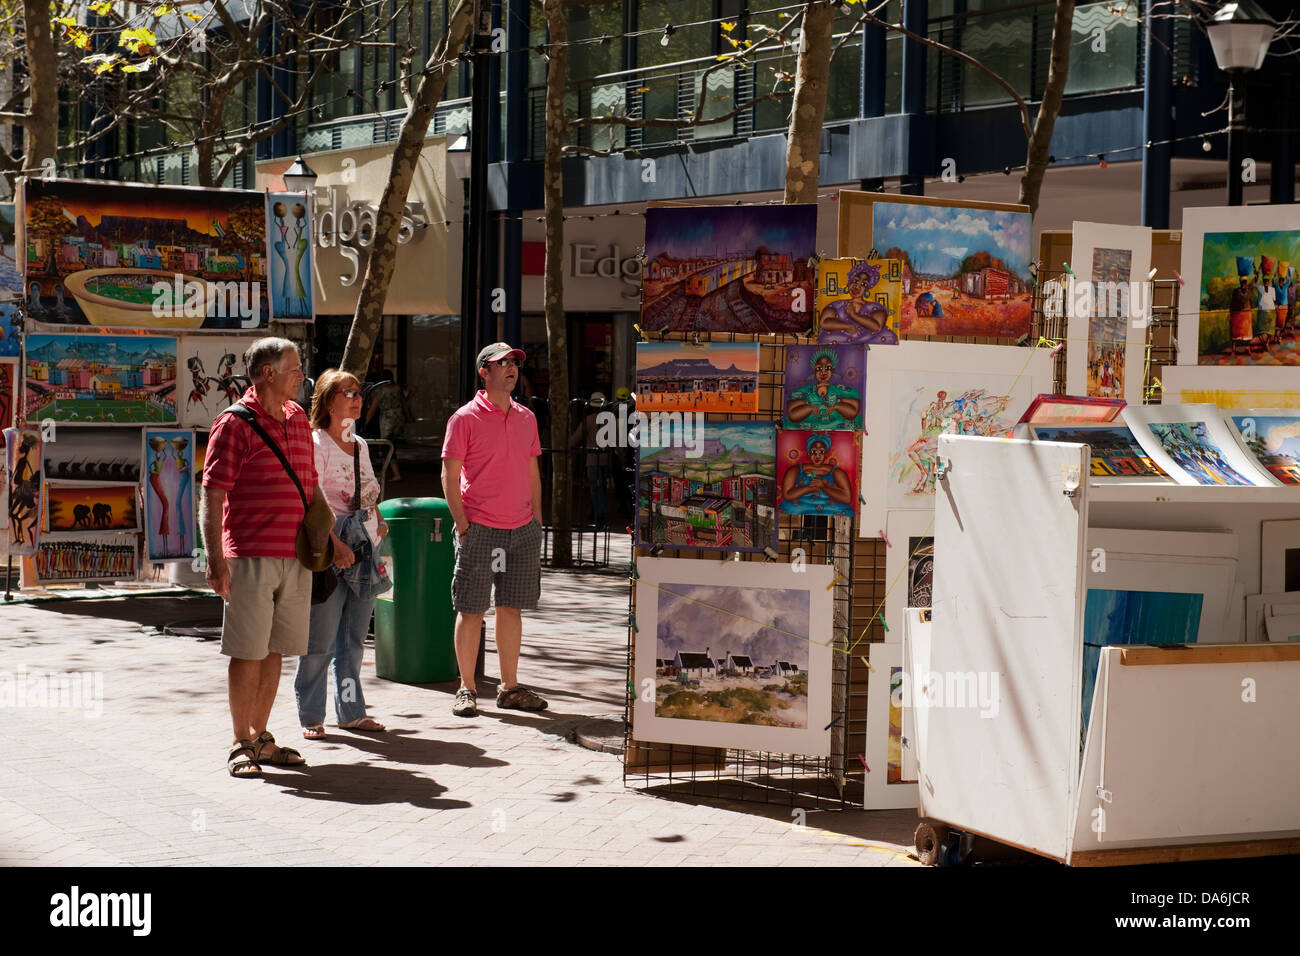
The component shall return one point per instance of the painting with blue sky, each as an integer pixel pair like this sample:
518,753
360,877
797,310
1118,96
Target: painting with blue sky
965,272
1275,441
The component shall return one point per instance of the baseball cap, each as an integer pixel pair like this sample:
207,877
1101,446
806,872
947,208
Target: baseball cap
497,351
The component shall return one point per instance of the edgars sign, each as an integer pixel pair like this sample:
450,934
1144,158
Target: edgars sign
349,225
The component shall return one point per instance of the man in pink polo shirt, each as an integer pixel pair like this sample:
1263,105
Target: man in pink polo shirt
494,490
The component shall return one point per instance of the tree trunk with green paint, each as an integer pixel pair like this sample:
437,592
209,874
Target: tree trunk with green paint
557,344
368,320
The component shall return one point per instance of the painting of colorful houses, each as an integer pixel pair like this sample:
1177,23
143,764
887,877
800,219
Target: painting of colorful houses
713,489
710,377
123,256
965,270
99,379
729,269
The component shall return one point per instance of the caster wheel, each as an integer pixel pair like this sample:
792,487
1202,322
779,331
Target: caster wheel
929,840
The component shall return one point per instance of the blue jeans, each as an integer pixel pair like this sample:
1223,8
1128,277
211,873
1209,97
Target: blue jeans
338,632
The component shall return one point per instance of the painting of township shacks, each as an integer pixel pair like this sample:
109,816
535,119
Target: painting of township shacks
709,485
123,256
729,269
100,379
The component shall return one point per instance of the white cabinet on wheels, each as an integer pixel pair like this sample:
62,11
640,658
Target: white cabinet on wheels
1188,751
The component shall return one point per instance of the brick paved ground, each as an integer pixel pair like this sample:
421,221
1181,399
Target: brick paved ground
145,783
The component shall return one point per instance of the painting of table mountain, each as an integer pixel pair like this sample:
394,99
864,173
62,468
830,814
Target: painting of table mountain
1275,441
710,377
709,485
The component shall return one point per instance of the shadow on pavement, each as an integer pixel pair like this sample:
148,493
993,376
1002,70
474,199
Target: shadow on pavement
363,785
400,746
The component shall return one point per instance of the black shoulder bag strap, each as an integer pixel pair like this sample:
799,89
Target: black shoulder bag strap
246,413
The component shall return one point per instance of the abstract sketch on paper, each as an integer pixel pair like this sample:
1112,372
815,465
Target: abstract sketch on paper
858,301
169,494
1108,324
818,472
709,377
823,386
733,654
729,269
965,271
1275,441
926,405
713,487
1191,448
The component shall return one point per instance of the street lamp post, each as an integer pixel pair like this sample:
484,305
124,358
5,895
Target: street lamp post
1240,33
299,178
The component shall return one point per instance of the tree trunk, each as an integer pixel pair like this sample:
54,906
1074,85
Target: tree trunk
557,345
41,140
368,320
808,108
1058,71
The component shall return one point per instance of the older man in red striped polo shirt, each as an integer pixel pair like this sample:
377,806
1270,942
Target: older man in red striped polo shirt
252,506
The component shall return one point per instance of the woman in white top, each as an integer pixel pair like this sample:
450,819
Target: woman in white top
339,624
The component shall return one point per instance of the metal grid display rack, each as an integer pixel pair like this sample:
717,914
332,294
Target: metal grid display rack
836,782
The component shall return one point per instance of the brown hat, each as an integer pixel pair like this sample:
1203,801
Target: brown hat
315,545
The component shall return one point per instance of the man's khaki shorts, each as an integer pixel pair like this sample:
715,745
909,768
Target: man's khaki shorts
269,610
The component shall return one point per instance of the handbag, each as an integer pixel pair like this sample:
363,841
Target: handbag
314,545
324,582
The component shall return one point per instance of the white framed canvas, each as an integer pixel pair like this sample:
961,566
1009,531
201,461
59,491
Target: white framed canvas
889,781
1272,617
1229,387
1279,556
734,654
1170,562
1238,264
1105,355
1193,444
909,566
919,390
94,557
168,492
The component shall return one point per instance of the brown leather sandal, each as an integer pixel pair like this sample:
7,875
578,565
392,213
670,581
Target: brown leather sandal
242,760
279,756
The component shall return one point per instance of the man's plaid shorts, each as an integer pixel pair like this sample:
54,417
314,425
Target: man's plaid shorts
510,559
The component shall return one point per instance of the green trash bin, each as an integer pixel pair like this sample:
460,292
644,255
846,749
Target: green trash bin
414,620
